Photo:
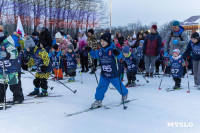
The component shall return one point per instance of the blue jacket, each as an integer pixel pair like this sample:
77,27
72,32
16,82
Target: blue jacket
16,40
177,67
107,61
55,58
195,49
140,53
132,62
71,61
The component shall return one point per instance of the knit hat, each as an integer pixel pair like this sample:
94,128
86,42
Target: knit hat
34,34
142,41
55,46
106,37
58,35
154,27
176,51
91,31
176,23
195,35
126,49
28,42
19,32
125,41
70,46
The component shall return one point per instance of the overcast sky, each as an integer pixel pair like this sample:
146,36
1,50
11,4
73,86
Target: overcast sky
147,11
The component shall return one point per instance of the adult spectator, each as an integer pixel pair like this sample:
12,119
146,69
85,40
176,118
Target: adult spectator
151,49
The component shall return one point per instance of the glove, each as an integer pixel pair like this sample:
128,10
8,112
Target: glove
116,52
88,49
175,42
43,69
166,54
25,67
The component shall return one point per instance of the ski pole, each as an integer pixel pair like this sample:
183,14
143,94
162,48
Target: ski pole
74,91
95,72
125,107
4,84
143,76
34,76
162,78
187,76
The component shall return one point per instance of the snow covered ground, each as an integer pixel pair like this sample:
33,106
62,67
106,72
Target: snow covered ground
155,111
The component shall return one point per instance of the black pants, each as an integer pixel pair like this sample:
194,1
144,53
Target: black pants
177,82
131,76
94,64
141,65
71,72
84,61
38,82
15,89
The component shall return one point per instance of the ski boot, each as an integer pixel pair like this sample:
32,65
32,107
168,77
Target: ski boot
96,104
72,79
128,84
176,88
147,74
44,93
133,84
35,92
93,71
124,98
151,75
198,87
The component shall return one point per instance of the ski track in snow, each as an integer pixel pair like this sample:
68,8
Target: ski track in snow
149,114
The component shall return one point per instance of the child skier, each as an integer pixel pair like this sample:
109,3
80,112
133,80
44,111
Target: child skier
10,71
55,57
141,56
131,63
41,60
71,63
109,71
194,47
177,65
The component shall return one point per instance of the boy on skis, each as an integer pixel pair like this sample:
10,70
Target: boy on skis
140,56
71,63
177,65
40,59
109,72
55,57
130,62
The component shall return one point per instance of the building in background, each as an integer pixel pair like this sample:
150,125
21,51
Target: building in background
192,25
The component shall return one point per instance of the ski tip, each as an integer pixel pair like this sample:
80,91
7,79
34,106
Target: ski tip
159,89
188,91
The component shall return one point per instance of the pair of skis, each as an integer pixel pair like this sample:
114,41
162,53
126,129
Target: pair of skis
109,106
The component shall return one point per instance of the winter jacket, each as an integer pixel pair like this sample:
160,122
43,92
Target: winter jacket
107,61
63,46
182,44
56,60
131,62
152,45
71,61
82,43
16,38
140,53
40,58
36,40
177,67
195,48
92,42
45,36
11,62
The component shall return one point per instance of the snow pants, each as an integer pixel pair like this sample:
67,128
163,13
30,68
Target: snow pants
196,70
103,87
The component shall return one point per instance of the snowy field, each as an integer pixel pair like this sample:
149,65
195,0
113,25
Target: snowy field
155,111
